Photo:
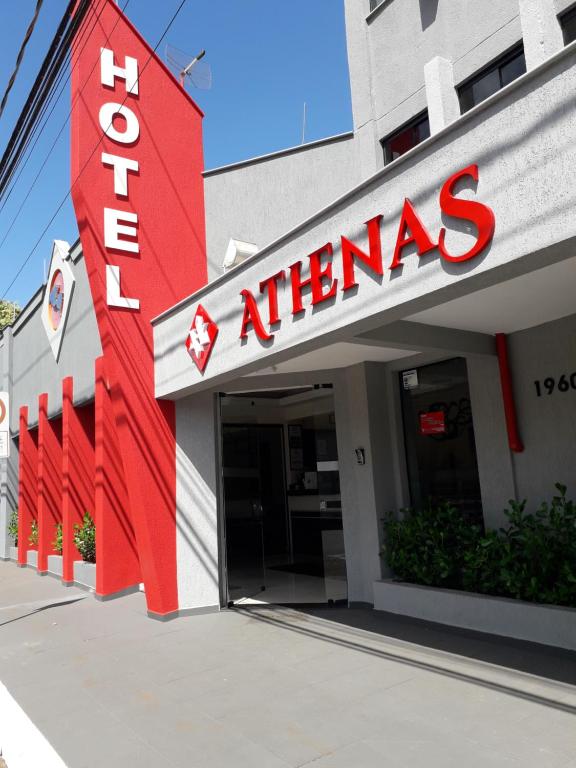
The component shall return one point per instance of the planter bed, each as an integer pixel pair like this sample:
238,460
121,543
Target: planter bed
85,574
32,558
536,623
55,565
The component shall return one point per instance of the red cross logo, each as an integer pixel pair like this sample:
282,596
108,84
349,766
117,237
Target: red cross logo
201,338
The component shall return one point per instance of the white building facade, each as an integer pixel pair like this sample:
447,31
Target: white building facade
389,319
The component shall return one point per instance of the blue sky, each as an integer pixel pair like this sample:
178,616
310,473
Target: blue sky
267,57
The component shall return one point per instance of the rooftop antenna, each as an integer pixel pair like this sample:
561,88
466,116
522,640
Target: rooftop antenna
184,66
304,124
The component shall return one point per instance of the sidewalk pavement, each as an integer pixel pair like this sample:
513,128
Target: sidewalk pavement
265,687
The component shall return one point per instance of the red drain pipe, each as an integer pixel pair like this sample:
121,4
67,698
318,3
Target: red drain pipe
514,440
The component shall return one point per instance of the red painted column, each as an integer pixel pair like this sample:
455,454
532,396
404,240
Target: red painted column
117,563
49,481
78,472
134,278
27,484
516,444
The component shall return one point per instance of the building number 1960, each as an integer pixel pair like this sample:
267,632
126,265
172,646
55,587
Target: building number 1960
564,384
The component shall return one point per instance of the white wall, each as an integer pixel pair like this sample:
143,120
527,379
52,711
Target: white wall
547,424
197,503
260,200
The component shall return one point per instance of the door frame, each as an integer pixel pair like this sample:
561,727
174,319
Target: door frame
225,601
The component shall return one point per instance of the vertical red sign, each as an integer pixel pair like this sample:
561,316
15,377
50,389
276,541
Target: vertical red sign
138,196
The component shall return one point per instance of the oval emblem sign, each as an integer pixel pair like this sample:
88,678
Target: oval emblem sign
56,300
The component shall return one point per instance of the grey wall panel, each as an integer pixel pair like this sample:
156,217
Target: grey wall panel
547,424
387,52
257,202
196,503
34,369
522,140
495,466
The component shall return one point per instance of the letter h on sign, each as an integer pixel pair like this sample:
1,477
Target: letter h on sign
119,223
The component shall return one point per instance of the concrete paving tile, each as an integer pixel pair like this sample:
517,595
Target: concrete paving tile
546,737
368,679
187,737
231,689
296,735
491,721
445,752
356,755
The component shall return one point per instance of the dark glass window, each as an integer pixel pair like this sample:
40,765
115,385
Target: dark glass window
439,437
374,4
568,24
407,137
491,79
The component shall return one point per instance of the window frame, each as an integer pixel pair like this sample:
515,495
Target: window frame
568,15
412,123
495,65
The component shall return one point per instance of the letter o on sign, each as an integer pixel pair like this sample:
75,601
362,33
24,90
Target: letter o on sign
2,411
107,114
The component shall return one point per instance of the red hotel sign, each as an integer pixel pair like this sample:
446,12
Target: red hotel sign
322,285
138,195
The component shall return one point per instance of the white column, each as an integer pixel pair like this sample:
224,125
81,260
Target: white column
540,30
196,504
8,467
443,105
495,465
368,491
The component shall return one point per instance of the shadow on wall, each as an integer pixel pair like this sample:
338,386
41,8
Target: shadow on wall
428,11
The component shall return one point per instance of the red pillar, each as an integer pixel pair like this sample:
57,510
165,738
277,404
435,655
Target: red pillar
117,563
27,484
49,481
78,470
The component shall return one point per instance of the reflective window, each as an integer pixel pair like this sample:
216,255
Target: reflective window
492,79
407,137
568,24
439,437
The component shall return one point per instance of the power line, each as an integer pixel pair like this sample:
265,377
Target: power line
61,204
43,84
40,124
58,135
20,56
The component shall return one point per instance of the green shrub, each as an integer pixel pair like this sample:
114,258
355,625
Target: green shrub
85,538
535,555
33,538
57,543
533,558
428,546
13,527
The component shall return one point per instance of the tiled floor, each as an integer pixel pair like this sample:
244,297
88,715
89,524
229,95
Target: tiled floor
283,587
266,687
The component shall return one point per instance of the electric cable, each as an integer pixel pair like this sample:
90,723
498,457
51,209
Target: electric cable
61,204
46,64
37,97
58,135
42,122
20,56
43,118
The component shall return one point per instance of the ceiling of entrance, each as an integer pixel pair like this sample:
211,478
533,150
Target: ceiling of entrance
533,299
339,355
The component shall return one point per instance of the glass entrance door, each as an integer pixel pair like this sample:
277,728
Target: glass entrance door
439,437
283,539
